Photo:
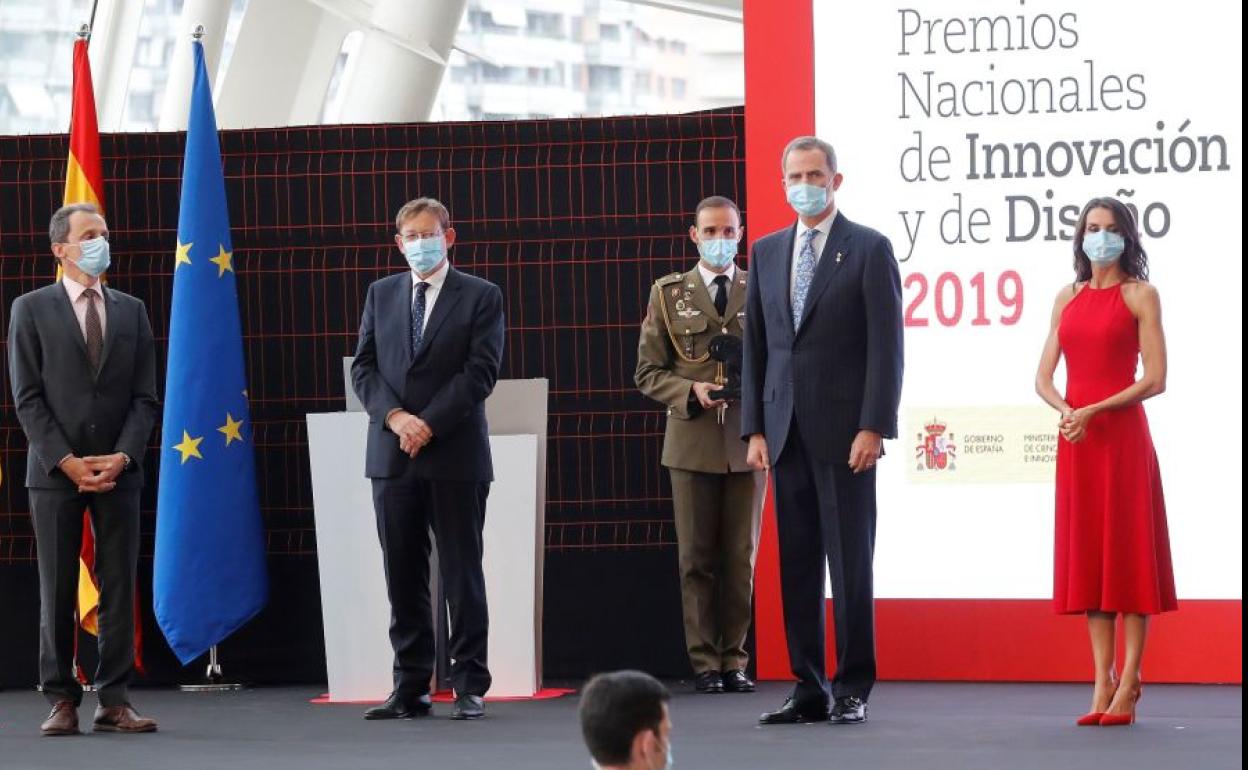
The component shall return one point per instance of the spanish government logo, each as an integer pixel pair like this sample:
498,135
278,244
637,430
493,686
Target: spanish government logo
936,450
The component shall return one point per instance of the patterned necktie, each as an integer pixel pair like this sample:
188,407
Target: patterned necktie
418,315
94,334
805,274
721,296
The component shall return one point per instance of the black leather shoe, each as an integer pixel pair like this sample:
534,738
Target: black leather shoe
794,713
708,682
737,681
468,707
848,710
398,708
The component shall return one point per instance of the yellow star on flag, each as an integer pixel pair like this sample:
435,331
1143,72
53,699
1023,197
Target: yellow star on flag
183,254
223,261
189,447
230,429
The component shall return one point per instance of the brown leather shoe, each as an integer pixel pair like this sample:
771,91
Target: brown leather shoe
121,719
62,721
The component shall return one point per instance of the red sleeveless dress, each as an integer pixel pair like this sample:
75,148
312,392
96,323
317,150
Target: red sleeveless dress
1112,547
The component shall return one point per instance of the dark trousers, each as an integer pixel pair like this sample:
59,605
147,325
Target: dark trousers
57,518
408,508
717,536
825,517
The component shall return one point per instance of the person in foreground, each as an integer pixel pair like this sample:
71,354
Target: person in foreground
820,389
713,490
1112,547
82,362
626,723
431,340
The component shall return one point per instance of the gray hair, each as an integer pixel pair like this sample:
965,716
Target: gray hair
809,143
58,227
419,206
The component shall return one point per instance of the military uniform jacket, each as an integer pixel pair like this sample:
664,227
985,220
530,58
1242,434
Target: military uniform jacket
672,355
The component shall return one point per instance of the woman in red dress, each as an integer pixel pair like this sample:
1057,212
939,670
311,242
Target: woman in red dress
1112,548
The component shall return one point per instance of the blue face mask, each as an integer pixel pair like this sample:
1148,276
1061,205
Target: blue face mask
94,259
424,254
718,252
1103,247
807,199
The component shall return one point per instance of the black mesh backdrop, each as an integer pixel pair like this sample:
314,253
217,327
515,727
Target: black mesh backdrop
572,218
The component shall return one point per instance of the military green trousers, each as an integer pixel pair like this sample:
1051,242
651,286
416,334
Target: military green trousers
717,519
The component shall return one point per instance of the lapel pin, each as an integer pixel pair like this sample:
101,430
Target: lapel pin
839,255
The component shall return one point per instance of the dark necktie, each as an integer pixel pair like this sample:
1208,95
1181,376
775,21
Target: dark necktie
95,335
721,296
418,315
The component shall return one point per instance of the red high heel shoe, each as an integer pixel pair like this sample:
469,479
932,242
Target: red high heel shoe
1093,718
1122,720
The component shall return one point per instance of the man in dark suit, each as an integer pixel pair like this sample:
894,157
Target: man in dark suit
82,363
821,383
431,340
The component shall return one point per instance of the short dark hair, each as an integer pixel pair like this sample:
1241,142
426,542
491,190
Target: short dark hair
58,226
715,202
615,708
809,143
420,205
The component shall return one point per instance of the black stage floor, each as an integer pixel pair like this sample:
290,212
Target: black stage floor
911,727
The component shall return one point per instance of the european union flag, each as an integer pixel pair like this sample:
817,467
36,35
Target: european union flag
210,575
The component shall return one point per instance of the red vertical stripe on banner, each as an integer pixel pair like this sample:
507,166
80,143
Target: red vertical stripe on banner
779,105
936,639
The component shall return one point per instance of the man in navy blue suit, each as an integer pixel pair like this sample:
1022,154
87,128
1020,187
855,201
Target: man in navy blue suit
431,340
821,383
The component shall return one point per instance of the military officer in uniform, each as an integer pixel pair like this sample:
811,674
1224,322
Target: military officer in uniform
714,493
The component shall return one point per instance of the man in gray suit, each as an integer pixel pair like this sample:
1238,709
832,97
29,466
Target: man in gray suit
821,382
82,363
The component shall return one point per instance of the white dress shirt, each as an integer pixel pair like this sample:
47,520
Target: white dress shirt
78,300
709,276
435,282
820,241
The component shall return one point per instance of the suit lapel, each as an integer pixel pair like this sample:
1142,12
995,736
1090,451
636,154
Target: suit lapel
835,249
111,311
401,297
62,307
447,297
783,279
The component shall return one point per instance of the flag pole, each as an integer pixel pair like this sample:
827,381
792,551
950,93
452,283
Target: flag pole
83,34
214,677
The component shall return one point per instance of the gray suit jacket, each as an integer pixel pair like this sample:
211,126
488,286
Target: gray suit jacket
64,408
840,371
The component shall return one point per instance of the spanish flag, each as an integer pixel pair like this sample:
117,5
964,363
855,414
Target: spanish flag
84,179
84,183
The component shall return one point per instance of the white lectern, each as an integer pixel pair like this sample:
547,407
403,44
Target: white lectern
356,612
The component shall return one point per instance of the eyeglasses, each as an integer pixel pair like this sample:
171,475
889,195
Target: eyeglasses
410,237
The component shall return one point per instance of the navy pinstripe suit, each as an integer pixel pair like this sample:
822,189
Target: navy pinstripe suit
810,391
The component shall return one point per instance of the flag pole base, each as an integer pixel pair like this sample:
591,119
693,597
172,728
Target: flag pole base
214,680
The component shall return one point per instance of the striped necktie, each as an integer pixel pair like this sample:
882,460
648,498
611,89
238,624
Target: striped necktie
94,330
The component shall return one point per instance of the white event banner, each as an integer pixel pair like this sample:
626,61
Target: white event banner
971,134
